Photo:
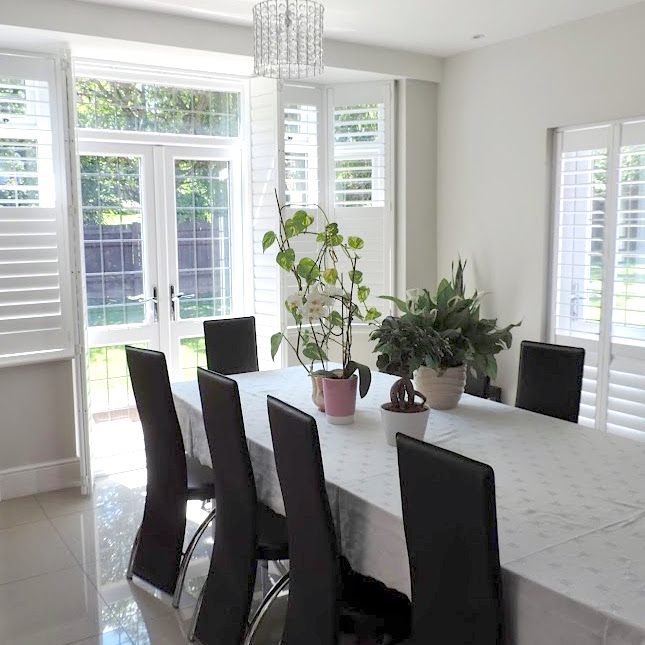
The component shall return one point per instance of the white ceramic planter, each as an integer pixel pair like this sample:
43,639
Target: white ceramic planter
442,389
411,423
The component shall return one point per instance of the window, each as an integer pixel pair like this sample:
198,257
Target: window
301,153
359,155
145,107
599,267
360,165
35,293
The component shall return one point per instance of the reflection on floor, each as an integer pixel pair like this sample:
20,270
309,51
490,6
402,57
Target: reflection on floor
62,570
117,446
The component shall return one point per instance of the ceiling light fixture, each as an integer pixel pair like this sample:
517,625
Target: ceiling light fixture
288,38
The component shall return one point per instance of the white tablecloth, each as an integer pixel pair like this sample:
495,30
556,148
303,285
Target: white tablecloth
570,502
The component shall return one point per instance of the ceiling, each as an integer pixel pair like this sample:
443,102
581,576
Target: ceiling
440,27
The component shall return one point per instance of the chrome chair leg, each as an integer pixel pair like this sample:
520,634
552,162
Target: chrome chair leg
193,620
266,603
183,569
135,546
265,582
280,567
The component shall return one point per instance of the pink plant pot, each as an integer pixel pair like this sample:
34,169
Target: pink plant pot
340,400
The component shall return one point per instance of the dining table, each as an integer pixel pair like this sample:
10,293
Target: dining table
570,502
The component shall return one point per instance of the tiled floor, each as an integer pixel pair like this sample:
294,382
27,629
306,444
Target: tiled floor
117,446
63,559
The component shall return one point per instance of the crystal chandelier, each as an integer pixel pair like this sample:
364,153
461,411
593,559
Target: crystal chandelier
288,38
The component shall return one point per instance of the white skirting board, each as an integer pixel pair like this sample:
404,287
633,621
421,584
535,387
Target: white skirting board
39,478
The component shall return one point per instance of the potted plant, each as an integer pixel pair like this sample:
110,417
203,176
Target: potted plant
404,344
474,341
330,297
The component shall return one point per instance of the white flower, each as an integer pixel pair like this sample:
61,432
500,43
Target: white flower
294,302
332,291
316,306
412,296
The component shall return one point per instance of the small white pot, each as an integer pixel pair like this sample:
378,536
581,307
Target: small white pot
411,423
442,389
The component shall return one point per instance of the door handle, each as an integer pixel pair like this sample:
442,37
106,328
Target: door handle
141,299
176,297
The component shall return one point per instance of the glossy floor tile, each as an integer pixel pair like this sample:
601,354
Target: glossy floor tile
31,550
116,637
63,561
52,609
23,510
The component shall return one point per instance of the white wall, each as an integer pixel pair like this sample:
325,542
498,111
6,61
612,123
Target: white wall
495,110
37,438
416,185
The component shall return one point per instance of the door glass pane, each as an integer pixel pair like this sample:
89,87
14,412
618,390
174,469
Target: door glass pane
192,356
203,216
109,382
112,219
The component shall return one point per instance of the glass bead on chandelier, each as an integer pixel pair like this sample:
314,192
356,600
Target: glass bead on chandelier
288,38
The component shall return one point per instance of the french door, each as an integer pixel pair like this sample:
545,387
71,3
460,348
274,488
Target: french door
162,253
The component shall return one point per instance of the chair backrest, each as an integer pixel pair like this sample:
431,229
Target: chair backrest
451,532
314,570
477,385
228,592
231,345
550,379
164,517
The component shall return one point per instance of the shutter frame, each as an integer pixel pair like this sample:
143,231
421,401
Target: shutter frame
34,241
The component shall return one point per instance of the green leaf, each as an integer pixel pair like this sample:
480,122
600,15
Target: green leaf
308,270
330,276
286,259
372,314
356,276
402,305
315,353
335,240
355,243
336,319
321,237
363,293
364,376
332,228
302,221
276,339
290,229
268,240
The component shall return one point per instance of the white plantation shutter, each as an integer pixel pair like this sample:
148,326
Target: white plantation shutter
626,389
266,177
360,168
581,191
302,146
35,293
599,268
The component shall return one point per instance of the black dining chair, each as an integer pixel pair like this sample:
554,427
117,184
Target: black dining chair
477,385
231,345
173,478
550,379
318,604
246,531
451,532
